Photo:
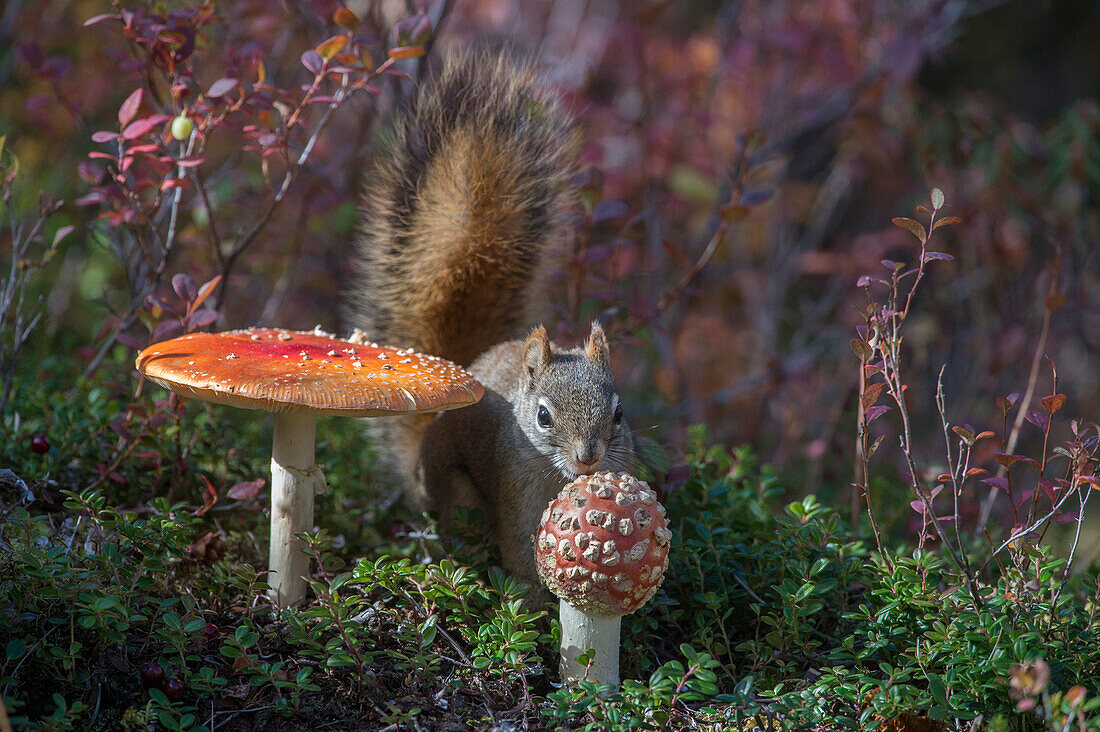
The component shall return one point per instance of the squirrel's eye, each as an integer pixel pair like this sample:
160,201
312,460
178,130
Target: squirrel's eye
544,418
618,417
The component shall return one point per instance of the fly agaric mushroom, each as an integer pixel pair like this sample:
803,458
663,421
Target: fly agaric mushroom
602,549
298,376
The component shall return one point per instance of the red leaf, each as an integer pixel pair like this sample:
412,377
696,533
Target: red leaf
331,47
190,162
104,136
872,393
861,349
403,52
946,221
204,292
346,19
142,126
129,108
1008,460
913,227
1054,402
976,471
246,491
62,233
209,497
1091,480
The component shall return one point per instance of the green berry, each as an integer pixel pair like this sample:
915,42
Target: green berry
181,127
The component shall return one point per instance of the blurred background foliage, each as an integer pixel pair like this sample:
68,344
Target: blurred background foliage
850,111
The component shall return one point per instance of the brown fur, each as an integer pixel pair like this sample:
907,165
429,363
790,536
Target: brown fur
461,220
460,224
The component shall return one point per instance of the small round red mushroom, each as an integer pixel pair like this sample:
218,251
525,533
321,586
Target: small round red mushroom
603,549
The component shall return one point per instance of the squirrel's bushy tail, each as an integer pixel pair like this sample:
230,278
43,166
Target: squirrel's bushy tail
461,219
463,213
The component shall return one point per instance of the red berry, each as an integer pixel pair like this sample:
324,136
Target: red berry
209,631
39,445
173,689
152,674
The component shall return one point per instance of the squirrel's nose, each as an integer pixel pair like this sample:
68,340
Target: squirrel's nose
589,454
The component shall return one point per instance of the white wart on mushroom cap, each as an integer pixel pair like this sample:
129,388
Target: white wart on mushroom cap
603,544
278,370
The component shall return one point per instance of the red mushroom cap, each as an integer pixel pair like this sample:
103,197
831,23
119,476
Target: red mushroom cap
278,370
603,544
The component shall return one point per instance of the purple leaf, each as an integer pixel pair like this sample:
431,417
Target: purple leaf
201,319
928,256
875,412
755,196
1040,420
312,61
184,286
221,87
31,54
608,210
918,506
998,483
1066,518
166,328
104,136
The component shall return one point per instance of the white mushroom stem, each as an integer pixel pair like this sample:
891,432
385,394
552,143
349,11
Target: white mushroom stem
581,632
294,480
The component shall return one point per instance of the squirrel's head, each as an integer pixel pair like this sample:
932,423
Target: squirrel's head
568,406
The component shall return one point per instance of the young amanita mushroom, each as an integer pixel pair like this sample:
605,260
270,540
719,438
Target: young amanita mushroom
603,549
298,376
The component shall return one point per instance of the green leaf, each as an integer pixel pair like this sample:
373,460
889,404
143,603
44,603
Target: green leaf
937,689
937,199
15,649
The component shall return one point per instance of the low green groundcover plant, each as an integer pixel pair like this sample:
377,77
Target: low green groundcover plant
118,612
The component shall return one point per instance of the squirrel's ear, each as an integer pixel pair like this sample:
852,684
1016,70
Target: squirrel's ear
536,353
595,348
